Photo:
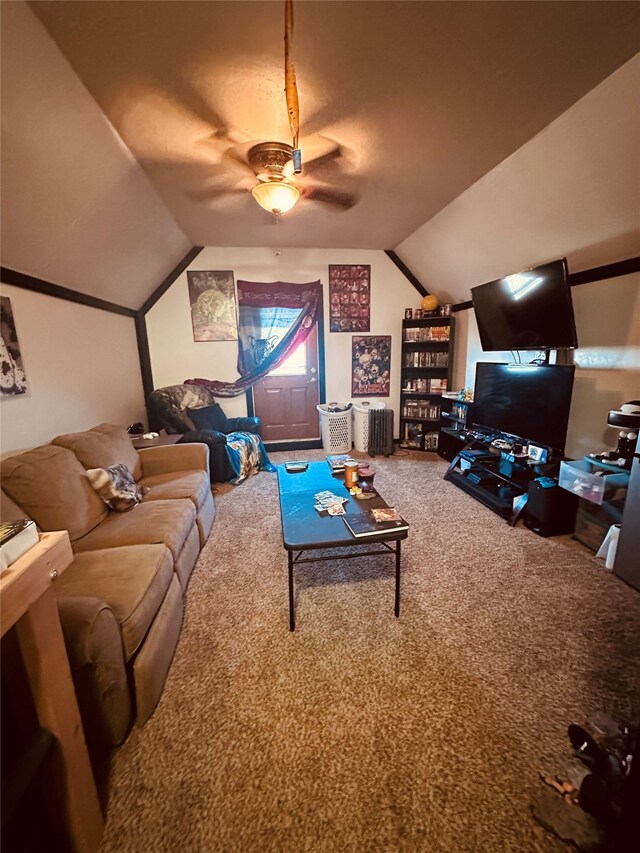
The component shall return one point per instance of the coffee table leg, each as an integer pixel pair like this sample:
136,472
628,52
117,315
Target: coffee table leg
397,607
292,618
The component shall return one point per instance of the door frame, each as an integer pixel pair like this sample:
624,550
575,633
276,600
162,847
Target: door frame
310,443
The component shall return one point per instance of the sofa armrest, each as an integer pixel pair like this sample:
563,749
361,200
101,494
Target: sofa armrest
173,458
96,657
244,425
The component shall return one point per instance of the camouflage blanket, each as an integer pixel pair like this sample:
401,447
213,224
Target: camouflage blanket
246,455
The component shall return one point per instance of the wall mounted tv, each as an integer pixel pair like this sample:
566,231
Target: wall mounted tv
530,401
530,310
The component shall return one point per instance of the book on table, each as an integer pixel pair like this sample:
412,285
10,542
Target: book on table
375,522
337,460
16,537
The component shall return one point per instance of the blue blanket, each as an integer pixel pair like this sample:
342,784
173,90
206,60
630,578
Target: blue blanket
246,455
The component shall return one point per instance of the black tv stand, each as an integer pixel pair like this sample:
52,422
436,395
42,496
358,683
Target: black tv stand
498,479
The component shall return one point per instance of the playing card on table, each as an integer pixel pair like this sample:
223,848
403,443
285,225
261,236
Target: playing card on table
328,498
335,509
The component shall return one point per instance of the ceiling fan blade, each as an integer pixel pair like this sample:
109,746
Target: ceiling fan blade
214,193
185,96
336,198
235,159
290,86
319,164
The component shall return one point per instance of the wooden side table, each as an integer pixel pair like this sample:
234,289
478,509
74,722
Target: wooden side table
28,603
161,441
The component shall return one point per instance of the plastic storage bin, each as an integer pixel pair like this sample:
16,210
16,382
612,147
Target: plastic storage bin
591,481
336,429
361,423
593,522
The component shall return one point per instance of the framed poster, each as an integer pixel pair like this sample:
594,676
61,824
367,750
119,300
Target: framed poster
349,297
370,365
212,297
12,376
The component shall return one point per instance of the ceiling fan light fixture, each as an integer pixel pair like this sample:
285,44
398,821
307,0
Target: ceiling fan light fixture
275,196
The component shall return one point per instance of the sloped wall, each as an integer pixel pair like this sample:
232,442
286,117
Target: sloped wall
77,209
571,191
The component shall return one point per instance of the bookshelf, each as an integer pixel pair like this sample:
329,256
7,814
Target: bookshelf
454,417
426,372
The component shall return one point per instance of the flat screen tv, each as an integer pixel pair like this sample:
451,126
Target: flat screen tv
530,310
530,401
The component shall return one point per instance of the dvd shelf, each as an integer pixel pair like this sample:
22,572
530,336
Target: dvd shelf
427,364
419,358
454,419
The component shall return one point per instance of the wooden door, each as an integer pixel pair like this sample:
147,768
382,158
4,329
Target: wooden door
286,398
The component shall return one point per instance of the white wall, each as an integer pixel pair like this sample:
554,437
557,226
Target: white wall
175,357
81,365
571,191
607,361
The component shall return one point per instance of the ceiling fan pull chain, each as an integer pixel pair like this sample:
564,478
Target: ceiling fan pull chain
290,87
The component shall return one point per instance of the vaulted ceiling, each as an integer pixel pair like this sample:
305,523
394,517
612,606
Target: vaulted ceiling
412,102
125,125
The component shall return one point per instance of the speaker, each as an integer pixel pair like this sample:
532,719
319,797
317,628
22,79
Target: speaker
550,511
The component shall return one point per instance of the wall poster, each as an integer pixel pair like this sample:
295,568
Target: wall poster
349,297
12,376
212,298
371,366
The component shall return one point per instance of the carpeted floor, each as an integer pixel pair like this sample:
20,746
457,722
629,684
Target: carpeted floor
360,732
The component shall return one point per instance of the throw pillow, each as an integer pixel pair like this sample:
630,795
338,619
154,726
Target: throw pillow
210,417
116,486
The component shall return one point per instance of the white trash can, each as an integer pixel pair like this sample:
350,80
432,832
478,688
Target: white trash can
361,423
336,428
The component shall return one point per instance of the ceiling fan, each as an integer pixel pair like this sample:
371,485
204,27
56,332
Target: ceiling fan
272,162
277,165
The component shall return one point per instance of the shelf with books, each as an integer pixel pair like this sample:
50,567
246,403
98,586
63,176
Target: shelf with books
426,374
454,416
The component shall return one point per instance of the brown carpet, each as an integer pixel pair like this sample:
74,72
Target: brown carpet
360,732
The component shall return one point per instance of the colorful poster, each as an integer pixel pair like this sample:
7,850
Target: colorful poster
12,375
371,366
349,297
212,298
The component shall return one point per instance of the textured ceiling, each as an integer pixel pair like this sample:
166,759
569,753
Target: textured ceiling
423,98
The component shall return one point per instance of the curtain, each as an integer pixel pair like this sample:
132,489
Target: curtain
274,318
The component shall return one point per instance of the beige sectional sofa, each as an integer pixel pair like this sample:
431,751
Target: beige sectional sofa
121,600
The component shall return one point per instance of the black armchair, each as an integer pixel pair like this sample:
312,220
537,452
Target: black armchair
192,411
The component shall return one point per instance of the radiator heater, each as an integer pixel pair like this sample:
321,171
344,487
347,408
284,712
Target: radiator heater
380,431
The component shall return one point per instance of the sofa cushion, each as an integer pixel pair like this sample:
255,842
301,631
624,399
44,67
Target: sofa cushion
132,580
210,417
153,523
51,486
194,485
116,487
102,446
9,510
